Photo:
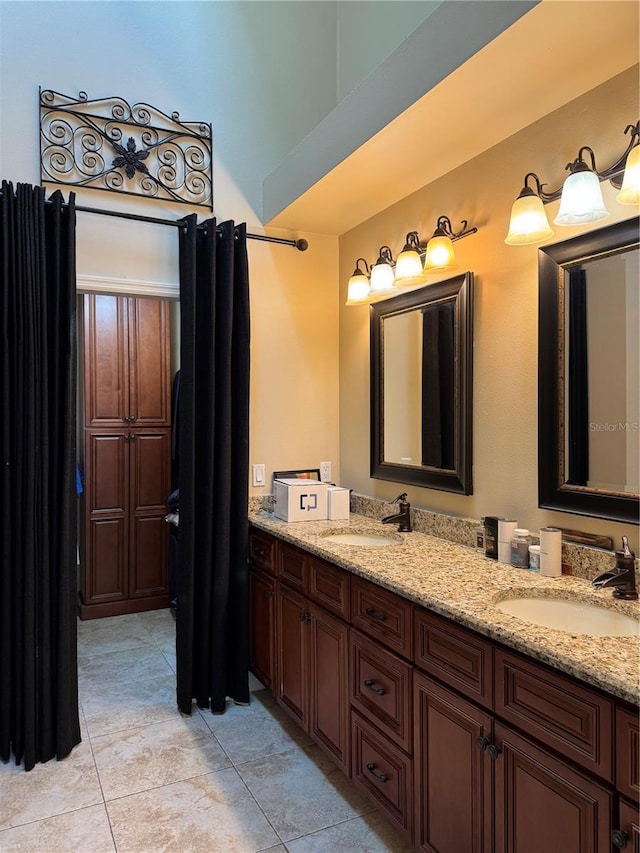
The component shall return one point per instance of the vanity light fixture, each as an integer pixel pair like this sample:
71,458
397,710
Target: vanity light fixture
409,262
382,274
440,256
580,197
358,286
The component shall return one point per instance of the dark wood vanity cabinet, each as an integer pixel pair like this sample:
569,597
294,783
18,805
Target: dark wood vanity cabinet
262,602
467,746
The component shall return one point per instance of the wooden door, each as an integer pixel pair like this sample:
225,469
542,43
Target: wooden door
541,804
328,694
149,368
262,622
292,659
452,773
627,837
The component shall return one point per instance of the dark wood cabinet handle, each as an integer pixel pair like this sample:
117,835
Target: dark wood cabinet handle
381,777
494,751
305,617
132,436
259,552
270,594
379,691
619,838
483,743
371,613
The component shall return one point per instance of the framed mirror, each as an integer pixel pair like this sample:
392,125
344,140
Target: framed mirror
589,374
422,385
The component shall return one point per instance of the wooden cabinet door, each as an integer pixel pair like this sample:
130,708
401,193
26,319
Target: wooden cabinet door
106,516
292,660
328,694
627,837
541,804
150,484
126,361
452,775
262,626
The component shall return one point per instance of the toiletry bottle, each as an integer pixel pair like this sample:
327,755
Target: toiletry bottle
480,536
534,558
551,552
506,530
520,548
491,536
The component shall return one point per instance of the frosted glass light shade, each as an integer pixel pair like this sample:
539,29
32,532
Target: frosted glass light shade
630,191
581,200
529,223
381,278
440,255
357,289
408,265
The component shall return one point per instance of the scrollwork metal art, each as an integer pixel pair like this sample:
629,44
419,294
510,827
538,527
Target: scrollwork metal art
107,144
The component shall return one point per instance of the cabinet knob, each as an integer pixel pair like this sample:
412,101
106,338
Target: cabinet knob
305,617
494,751
380,691
483,743
381,777
619,838
371,613
258,552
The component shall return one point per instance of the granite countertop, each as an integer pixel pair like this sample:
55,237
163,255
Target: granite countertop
462,584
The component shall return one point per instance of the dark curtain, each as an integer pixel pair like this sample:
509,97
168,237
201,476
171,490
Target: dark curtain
38,672
438,386
212,608
578,402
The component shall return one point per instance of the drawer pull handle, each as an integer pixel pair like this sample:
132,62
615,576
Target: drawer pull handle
494,751
619,839
305,617
371,613
379,691
259,552
483,743
381,777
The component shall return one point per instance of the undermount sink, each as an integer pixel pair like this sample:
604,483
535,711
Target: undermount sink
366,540
575,617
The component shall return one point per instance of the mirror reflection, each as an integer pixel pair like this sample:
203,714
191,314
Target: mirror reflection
421,386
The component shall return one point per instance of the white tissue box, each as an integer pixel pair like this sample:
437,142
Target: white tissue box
338,503
300,500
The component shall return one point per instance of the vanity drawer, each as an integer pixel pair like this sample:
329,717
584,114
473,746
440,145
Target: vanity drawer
381,688
383,770
454,655
381,614
329,586
564,715
292,566
628,753
262,550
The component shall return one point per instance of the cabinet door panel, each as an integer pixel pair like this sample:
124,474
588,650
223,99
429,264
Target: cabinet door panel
105,577
262,621
106,345
149,370
329,586
329,700
453,777
630,826
628,753
543,805
148,556
107,472
292,654
151,477
293,566
262,550
383,615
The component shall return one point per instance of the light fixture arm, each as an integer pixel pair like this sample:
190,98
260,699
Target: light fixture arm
613,173
358,271
445,229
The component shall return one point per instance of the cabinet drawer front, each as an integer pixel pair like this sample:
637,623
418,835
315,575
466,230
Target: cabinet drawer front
381,688
566,716
329,586
383,770
628,753
458,657
292,566
381,614
262,549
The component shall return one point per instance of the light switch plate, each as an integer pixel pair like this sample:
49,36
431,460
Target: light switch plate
325,472
258,474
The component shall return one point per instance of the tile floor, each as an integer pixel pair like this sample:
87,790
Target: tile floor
146,779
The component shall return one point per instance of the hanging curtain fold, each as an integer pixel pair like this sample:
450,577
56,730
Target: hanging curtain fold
212,590
38,659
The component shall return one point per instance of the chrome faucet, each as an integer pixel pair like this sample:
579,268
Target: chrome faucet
623,577
403,516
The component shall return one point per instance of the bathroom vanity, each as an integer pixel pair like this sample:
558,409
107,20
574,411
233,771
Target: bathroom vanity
471,729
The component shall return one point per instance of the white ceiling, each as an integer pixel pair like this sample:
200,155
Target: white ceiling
556,52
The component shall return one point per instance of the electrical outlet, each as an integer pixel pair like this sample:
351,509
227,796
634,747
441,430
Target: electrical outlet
325,472
258,474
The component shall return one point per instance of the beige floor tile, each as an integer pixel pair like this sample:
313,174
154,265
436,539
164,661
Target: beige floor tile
48,789
148,757
118,706
302,791
98,636
254,684
208,813
255,731
120,666
86,830
369,834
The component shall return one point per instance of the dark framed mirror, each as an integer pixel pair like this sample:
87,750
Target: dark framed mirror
422,386
589,374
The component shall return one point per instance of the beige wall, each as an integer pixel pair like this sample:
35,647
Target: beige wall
506,305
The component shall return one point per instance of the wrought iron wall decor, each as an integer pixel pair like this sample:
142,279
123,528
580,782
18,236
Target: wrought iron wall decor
107,144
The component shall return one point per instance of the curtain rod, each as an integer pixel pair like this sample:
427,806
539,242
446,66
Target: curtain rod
301,245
